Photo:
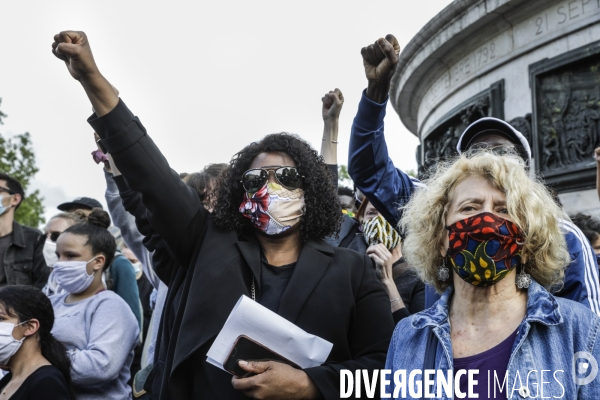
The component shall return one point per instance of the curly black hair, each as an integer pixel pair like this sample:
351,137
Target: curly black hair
589,225
323,214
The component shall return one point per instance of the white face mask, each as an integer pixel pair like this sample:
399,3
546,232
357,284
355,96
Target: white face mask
49,252
72,276
8,344
137,268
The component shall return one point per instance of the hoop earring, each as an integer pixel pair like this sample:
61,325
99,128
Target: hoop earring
523,279
443,273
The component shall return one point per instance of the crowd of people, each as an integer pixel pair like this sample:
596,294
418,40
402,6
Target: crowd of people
478,267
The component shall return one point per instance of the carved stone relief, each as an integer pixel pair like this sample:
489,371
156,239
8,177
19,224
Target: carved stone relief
523,125
569,114
566,118
440,146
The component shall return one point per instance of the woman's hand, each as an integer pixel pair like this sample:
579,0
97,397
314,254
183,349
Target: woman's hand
74,49
384,262
274,380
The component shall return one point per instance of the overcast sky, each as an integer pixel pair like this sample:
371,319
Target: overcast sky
205,78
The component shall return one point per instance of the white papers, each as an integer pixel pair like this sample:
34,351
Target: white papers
269,329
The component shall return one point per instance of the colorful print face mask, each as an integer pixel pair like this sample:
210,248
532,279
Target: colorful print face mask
273,209
378,230
484,248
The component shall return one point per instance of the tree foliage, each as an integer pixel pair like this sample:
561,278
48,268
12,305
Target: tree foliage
18,160
344,177
412,172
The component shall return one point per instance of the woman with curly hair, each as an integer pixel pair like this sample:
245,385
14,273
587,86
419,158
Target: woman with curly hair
499,250
274,206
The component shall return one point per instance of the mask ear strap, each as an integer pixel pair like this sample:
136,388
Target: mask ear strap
24,322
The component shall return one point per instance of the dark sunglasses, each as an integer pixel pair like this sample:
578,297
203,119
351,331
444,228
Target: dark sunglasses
3,189
54,236
254,179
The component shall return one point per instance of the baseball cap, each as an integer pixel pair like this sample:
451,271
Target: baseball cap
491,126
81,202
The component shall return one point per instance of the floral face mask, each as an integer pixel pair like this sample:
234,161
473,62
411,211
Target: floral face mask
273,209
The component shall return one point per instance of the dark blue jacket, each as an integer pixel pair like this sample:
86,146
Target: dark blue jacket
388,188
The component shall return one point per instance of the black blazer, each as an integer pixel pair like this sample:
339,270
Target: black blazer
333,292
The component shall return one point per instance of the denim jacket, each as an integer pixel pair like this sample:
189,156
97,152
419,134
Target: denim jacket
552,332
24,262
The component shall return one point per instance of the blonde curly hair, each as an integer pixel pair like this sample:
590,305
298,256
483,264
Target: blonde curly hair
529,205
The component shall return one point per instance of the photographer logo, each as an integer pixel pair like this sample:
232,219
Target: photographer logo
582,373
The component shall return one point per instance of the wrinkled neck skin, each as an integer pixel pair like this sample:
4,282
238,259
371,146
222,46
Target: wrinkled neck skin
281,249
27,359
487,306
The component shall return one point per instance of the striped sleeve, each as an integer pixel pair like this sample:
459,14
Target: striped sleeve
581,278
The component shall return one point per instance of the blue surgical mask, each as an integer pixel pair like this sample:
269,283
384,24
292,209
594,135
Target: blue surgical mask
3,208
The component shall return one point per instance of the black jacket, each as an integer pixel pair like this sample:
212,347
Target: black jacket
24,262
333,292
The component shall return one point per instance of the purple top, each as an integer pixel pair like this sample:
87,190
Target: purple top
492,360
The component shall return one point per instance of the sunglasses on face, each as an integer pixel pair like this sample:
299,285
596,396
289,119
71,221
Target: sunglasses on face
53,236
254,179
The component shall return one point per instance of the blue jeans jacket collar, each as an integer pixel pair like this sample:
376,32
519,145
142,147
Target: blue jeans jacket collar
541,307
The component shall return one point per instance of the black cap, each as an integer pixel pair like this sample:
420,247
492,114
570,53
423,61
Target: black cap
81,202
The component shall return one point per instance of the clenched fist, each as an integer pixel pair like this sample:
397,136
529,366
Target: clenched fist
332,104
74,49
380,60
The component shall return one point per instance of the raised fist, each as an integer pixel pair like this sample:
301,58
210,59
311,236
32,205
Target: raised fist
332,104
380,59
74,49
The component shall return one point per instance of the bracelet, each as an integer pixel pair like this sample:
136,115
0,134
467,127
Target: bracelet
394,300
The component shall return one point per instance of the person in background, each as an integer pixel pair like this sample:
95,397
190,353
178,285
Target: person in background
38,366
152,290
95,324
490,238
57,225
346,197
21,247
205,183
85,205
590,226
119,276
382,243
145,289
388,188
332,103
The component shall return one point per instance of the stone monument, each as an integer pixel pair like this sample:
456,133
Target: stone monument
533,63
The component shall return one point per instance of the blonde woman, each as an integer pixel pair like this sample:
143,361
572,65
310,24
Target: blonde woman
488,237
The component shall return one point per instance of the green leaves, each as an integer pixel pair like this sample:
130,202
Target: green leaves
18,160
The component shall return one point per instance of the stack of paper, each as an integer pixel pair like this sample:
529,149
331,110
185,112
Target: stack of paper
269,329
